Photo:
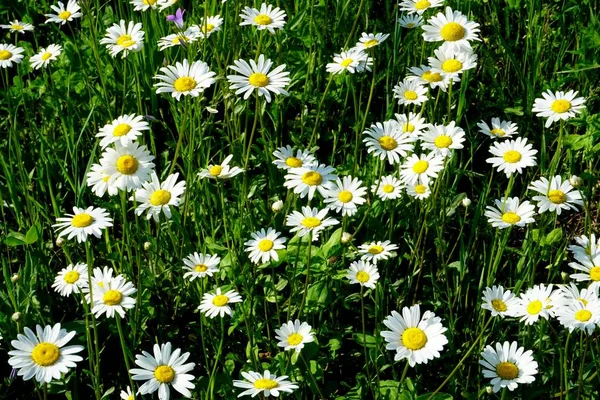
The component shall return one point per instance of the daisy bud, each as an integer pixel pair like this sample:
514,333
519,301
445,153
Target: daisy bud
147,246
346,238
15,278
277,206
16,316
564,276
60,242
575,181
488,389
466,202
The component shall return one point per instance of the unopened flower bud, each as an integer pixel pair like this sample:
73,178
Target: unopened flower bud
564,276
489,389
346,237
60,242
16,316
277,206
15,278
147,246
575,181
466,202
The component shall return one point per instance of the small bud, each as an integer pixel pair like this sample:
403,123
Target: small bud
15,278
575,181
16,316
466,202
346,238
564,276
147,246
489,389
60,242
277,206
212,110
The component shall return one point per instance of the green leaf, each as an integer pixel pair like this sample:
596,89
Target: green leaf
334,240
33,234
365,340
554,236
15,239
319,294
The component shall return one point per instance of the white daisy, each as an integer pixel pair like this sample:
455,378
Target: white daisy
164,4
212,25
293,335
64,14
286,158
115,296
556,195
185,79
125,129
508,365
144,5
309,179
310,220
128,395
453,28
256,76
377,251
222,171
10,54
200,265
120,38
411,124
265,384
508,212
369,40
410,92
346,195
218,303
45,56
558,105
101,277
571,293
450,63
353,60
388,141
419,6
499,129
83,222
586,247
499,301
71,279
363,273
128,167
388,188
537,301
590,270
162,370
421,168
98,180
263,246
441,139
410,21
17,26
415,338
44,354
575,314
190,35
418,191
155,197
266,17
512,156
426,76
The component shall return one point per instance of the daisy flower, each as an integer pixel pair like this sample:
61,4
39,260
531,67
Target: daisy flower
163,369
293,335
512,156
453,28
64,14
508,365
210,26
536,302
128,395
421,168
419,339
377,251
411,124
286,158
256,76
586,248
556,195
309,220
128,166
10,54
101,277
307,180
200,265
410,92
115,296
71,279
388,141
353,60
125,129
441,139
590,270
426,76
44,354
346,195
155,197
369,40
578,315
222,171
499,301
572,293
265,384
418,191
124,39
388,188
144,5
17,26
499,129
509,212
44,56
558,105
410,21
218,303
419,6
98,180
164,4
185,79
363,273
83,222
190,35
263,246
266,18
450,63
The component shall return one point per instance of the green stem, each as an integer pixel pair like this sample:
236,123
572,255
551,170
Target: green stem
124,347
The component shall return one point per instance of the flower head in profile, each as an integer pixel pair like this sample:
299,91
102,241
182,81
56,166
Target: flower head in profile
411,124
221,171
83,222
589,270
64,14
266,384
558,106
125,130
410,21
426,76
45,56
181,38
499,129
98,180
508,365
377,251
17,26
210,26
184,79
293,335
266,17
155,197
585,247
219,303
370,40
144,5
286,158
200,265
258,76
124,39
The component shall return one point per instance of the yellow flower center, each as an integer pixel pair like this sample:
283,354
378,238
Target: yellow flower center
5,55
420,189
420,166
431,76
184,84
201,268
17,27
411,95
125,41
160,197
499,305
293,162
409,128
560,106
220,300
121,130
164,374
362,277
112,297
263,19
82,220
345,196
388,188
215,170
181,38
512,156
46,56
45,354
265,245
131,397
127,165
414,338
71,277
534,307
557,196
375,249
64,15
507,370
371,43
388,143
452,65
497,132
452,32
258,79
311,222
150,2
443,141
410,25
345,63
583,315
294,339
312,178
511,217
422,4
595,273
207,28
264,383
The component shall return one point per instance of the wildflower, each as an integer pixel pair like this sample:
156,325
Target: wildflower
421,168
310,220
419,6
277,206
125,130
538,301
10,54
589,267
177,19
266,17
346,195
115,296
363,273
453,28
410,21
265,384
64,14
388,141
286,158
293,335
256,76
388,188
307,180
499,301
200,265
508,365
218,304
441,139
556,195
418,191
411,124
185,79
377,251
210,26
509,212
83,222
499,129
558,106
426,76
222,171
128,167
45,56
143,5
370,40
575,314
512,156
353,60
71,279
263,246
98,180
451,63
410,92
17,26
120,38
155,197
190,35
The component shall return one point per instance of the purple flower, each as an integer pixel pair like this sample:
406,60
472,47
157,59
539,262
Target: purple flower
177,18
